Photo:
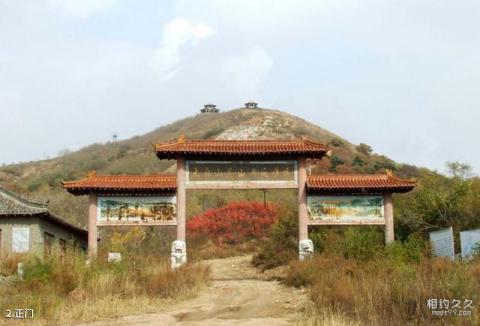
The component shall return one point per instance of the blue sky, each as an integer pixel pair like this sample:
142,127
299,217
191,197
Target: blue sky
402,76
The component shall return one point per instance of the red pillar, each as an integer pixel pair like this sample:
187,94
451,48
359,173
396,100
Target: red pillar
302,200
181,199
92,226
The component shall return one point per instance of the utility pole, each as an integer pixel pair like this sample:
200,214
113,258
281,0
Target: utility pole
264,197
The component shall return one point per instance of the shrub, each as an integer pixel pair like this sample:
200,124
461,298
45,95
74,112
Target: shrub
337,142
234,223
357,161
281,244
334,162
409,251
319,239
364,149
38,271
300,273
384,163
362,243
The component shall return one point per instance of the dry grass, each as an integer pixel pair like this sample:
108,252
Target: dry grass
385,290
313,317
62,291
211,250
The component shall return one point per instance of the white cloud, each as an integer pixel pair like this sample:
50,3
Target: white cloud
81,8
245,73
177,34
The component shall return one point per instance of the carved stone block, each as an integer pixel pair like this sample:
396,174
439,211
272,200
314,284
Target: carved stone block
305,249
179,253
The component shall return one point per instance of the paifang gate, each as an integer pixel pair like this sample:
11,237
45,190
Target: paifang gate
225,164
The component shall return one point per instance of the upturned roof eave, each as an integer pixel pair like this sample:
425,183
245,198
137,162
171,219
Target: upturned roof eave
240,148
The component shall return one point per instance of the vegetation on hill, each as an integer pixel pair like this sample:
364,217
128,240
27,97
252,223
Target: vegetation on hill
42,179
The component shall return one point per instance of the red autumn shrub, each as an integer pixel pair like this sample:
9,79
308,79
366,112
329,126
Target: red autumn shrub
233,223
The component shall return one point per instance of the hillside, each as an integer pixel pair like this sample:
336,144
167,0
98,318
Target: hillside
42,179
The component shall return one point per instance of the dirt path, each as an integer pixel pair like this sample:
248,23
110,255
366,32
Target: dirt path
237,295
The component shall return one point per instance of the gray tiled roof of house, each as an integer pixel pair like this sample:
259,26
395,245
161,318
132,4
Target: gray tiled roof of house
14,204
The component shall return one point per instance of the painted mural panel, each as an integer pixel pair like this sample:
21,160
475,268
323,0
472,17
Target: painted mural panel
137,210
240,171
470,242
346,208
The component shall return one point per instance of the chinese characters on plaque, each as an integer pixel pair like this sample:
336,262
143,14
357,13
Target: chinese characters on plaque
239,171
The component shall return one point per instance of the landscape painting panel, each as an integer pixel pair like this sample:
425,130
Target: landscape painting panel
346,208
159,209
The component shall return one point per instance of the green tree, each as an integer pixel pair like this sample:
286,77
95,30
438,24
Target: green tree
357,161
459,170
334,162
364,149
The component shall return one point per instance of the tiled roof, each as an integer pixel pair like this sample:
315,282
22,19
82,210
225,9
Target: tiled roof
359,183
13,204
348,183
119,183
255,148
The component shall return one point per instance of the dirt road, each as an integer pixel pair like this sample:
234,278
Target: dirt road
237,295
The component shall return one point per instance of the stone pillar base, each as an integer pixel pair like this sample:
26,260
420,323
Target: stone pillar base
305,249
179,253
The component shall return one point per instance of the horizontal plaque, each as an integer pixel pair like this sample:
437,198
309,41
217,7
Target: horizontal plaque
346,209
201,172
136,210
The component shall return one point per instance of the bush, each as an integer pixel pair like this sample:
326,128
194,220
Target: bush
337,142
38,270
410,251
384,163
357,161
364,149
362,243
233,224
281,245
334,162
319,239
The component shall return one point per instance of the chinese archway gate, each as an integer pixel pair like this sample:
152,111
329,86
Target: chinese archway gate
226,164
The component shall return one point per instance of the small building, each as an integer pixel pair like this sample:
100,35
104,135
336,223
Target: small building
209,108
251,105
27,225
